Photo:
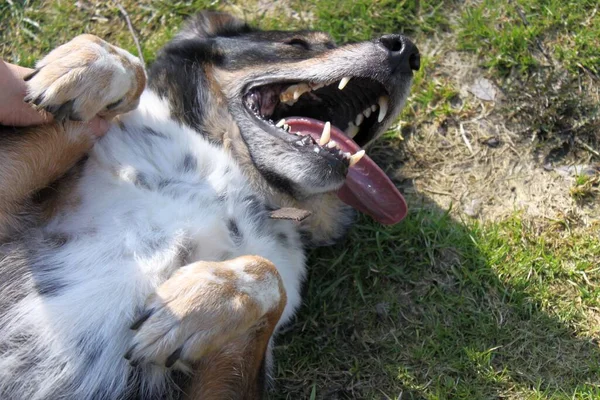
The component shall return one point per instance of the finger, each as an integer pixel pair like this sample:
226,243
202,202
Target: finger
99,126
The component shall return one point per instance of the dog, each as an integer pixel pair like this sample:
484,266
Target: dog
158,261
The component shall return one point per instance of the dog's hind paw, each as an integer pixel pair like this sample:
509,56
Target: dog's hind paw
84,78
205,306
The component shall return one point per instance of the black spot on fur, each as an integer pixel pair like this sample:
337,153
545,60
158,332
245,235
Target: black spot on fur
90,348
47,274
255,208
189,163
49,286
283,239
234,232
163,183
141,181
57,240
306,237
150,131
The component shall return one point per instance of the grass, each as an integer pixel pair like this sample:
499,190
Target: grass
437,307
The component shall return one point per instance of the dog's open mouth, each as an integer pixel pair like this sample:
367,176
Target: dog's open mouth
334,120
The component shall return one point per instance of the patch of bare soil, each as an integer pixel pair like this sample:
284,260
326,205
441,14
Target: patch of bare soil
490,157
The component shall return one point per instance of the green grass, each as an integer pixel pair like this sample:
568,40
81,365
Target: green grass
435,307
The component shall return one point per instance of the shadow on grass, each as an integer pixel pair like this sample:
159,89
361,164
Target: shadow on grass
423,310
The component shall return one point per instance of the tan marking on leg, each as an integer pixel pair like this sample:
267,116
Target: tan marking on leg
32,159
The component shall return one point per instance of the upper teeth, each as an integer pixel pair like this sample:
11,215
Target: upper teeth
383,107
290,95
343,82
352,130
359,119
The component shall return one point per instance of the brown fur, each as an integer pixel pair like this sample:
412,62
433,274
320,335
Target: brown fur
32,159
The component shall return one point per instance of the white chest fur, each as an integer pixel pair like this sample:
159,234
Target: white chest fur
154,195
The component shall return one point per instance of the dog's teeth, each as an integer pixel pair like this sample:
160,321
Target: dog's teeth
316,86
356,157
383,107
346,155
359,119
300,90
331,144
352,130
286,127
374,107
343,82
316,149
280,123
293,93
367,112
326,135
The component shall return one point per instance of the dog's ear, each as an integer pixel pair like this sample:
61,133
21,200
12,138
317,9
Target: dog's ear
207,24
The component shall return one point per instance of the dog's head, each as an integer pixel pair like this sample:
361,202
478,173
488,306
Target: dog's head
295,105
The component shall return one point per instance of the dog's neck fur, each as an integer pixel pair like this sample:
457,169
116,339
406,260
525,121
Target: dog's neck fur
330,218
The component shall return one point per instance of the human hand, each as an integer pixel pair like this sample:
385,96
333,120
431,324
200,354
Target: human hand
15,112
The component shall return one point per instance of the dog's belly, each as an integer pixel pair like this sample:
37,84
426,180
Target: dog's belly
146,206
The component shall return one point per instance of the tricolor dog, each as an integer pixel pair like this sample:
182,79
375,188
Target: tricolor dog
158,261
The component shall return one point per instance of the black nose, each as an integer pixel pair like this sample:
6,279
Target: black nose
403,54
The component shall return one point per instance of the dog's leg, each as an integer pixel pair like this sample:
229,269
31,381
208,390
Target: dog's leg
79,80
84,78
217,318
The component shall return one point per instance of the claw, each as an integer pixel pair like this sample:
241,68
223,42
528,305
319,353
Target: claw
38,100
31,75
63,111
172,359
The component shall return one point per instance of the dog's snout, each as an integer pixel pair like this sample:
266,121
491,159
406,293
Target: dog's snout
403,54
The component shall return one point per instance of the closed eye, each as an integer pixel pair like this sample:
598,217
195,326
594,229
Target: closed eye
300,43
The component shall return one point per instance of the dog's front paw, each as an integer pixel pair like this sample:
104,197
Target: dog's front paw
84,78
204,306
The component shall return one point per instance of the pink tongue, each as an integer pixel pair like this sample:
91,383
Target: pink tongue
367,188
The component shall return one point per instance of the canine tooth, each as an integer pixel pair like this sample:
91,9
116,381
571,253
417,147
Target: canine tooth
383,107
352,130
356,157
331,144
326,135
286,127
367,112
344,82
374,107
280,123
359,119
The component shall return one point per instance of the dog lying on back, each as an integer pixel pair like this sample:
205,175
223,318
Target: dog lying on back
158,261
